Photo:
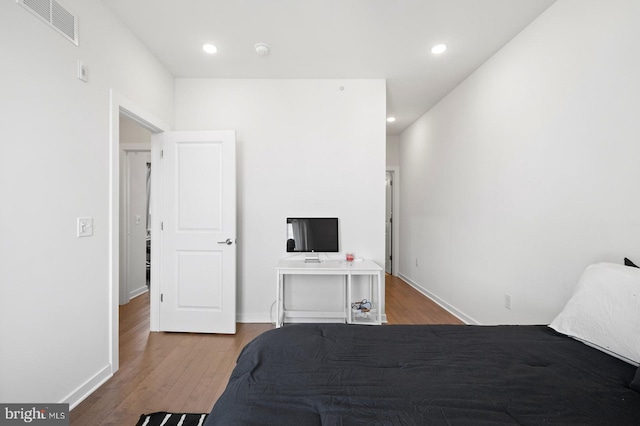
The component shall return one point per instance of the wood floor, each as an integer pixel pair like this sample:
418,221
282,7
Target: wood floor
184,372
405,305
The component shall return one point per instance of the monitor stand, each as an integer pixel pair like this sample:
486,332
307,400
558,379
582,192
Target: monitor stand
312,258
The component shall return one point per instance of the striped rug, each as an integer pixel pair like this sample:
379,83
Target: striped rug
162,418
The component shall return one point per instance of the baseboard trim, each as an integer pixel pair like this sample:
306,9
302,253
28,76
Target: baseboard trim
80,394
137,292
253,318
444,305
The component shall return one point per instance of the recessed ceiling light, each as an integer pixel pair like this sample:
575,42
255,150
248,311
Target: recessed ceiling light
438,49
210,48
391,119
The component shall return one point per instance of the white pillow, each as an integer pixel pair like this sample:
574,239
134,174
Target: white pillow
604,310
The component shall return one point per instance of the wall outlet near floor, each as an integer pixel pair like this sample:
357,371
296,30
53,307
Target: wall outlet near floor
507,301
416,262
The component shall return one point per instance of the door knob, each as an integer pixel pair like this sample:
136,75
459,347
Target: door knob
228,241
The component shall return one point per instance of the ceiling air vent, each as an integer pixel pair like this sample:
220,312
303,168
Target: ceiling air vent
55,15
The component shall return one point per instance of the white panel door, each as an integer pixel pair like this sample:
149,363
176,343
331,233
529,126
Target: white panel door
198,232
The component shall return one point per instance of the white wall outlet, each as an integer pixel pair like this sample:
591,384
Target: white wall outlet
507,301
416,262
85,226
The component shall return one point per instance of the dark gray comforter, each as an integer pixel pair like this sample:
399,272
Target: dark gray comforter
336,374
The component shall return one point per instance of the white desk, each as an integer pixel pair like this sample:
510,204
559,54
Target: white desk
333,267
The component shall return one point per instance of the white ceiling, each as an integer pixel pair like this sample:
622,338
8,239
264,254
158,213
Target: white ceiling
338,39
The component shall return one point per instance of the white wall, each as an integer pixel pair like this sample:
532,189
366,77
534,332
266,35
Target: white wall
133,133
304,148
529,170
393,151
54,167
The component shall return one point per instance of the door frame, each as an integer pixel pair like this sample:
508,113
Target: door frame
395,226
119,104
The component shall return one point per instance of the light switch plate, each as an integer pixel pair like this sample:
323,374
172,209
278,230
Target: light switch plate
83,72
85,226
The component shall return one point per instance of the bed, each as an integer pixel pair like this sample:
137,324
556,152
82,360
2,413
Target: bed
337,374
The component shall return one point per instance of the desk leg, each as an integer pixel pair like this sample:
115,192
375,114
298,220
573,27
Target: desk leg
379,311
374,296
347,305
280,301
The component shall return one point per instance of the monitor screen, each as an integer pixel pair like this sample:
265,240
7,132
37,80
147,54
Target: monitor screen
312,234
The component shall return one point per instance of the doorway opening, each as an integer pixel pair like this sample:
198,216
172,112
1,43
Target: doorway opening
135,209
121,106
388,222
392,220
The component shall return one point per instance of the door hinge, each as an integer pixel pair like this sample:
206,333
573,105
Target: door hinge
162,153
162,297
162,226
